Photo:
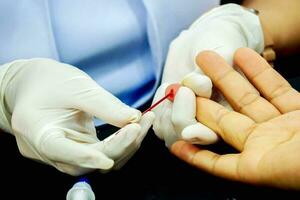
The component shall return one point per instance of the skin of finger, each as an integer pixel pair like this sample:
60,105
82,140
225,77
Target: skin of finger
223,166
239,92
260,110
224,122
270,170
269,82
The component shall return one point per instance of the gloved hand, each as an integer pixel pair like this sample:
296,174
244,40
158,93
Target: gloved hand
49,107
223,29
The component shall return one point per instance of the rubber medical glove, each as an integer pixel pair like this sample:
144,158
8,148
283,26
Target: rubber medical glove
223,29
49,107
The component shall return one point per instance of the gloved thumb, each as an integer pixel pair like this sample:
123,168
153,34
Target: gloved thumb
199,83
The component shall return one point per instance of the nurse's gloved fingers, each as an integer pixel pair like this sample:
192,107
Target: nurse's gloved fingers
170,135
199,134
160,110
184,109
163,126
122,161
199,83
95,100
145,123
120,143
57,148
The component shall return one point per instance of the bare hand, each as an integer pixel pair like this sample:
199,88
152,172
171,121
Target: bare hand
264,128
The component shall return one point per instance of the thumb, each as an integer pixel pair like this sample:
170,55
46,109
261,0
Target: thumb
95,100
199,83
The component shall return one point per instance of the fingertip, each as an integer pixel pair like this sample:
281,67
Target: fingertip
241,56
184,150
240,52
249,61
135,116
205,56
212,64
128,115
132,130
199,134
150,116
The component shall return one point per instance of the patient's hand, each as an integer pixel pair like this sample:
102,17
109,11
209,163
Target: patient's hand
264,129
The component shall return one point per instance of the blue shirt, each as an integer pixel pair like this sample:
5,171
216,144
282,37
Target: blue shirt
121,44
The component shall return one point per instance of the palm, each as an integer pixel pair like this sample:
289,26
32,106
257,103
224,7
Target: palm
264,127
266,149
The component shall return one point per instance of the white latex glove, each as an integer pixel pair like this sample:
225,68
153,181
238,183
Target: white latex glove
49,107
223,29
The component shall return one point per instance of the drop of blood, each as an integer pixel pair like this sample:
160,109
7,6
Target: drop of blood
172,90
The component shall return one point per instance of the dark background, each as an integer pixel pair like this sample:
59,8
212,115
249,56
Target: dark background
153,173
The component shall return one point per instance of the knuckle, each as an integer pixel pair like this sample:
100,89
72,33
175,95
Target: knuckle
280,90
220,114
247,98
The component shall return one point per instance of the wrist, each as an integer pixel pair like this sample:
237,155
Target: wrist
227,28
5,115
268,52
9,72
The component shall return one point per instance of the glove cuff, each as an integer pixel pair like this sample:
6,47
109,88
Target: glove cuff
5,116
235,23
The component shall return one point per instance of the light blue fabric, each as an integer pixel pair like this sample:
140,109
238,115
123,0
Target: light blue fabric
122,44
